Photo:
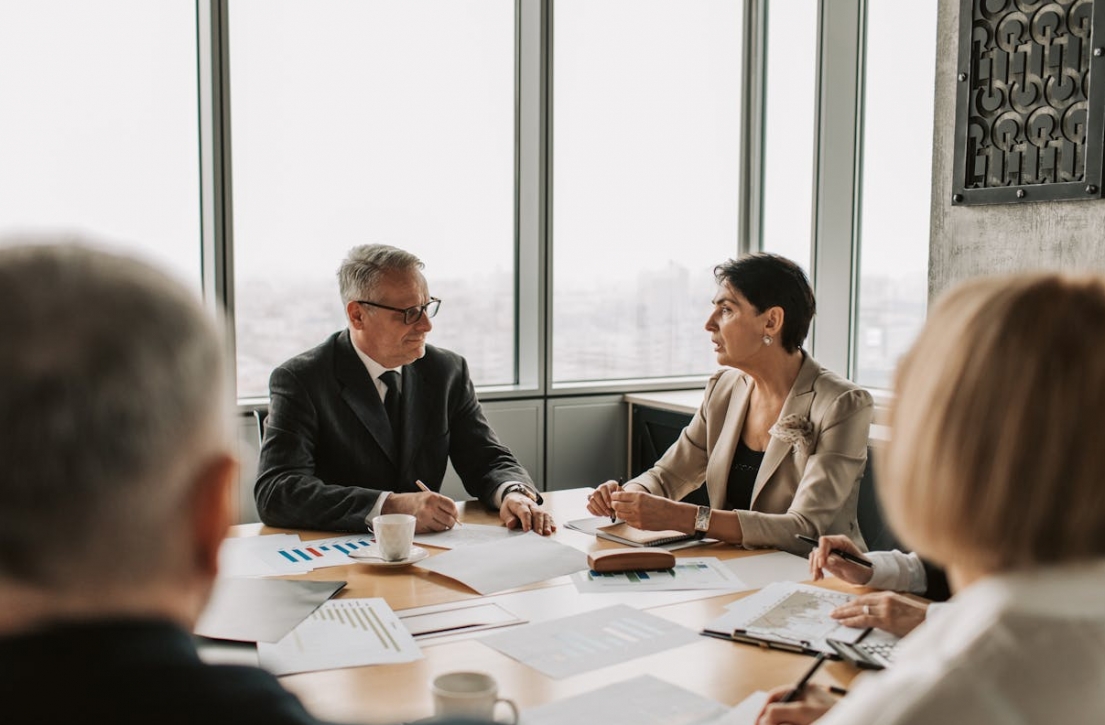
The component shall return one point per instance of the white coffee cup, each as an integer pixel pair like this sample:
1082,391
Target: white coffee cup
394,535
469,694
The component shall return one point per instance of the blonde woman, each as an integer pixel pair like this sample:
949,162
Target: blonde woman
996,472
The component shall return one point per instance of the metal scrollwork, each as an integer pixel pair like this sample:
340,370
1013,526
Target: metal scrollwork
1030,107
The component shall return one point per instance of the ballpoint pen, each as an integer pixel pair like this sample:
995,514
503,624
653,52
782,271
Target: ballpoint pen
797,690
613,518
839,552
426,488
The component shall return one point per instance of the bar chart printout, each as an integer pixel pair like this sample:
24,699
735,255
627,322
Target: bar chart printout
690,573
583,642
341,633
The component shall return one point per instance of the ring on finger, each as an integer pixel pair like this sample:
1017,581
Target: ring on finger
867,610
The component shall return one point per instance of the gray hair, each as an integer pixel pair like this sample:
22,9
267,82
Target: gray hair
365,265
112,398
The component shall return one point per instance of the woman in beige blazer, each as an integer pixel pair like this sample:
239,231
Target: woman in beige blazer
780,441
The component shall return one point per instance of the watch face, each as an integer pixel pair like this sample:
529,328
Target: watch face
702,518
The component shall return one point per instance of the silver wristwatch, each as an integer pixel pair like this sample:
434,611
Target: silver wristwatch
702,521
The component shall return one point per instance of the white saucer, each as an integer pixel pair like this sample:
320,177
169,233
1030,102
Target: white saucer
372,558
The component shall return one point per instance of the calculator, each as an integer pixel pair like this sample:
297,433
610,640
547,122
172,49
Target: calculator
874,655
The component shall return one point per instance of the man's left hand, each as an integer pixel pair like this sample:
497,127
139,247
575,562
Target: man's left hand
518,511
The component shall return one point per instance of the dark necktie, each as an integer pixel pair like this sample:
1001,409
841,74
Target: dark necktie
391,402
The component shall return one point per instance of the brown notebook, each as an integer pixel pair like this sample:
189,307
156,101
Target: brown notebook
623,533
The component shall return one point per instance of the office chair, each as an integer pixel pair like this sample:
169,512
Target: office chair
260,414
872,525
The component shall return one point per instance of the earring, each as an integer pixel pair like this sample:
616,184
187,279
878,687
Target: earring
768,340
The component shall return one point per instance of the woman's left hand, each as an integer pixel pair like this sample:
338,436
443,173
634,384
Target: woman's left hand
646,511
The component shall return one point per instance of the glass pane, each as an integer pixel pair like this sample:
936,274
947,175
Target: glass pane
646,182
896,184
364,121
100,131
790,115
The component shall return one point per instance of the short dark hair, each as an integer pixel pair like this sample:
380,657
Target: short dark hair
769,280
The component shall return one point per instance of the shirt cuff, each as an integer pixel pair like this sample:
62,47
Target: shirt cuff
897,572
377,509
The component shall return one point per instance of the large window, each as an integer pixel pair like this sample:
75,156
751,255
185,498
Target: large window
646,182
789,123
99,134
364,121
896,184
570,171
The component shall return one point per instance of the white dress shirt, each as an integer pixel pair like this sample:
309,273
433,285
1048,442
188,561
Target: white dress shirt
897,571
1016,649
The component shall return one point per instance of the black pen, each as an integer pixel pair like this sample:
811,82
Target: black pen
839,552
789,697
621,480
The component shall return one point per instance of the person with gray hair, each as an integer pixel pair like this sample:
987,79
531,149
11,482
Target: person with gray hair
115,423
366,423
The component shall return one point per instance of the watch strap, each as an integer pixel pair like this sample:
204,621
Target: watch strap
525,490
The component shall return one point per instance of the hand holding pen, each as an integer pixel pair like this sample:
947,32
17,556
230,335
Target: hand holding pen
802,703
452,514
600,501
839,556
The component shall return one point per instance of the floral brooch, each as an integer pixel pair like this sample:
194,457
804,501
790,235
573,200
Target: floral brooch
795,431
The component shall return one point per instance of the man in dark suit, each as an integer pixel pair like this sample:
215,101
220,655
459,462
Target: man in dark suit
365,423
116,437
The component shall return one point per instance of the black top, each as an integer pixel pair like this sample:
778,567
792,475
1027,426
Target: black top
135,671
742,476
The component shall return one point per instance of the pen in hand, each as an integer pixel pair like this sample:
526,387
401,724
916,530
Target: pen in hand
797,690
839,552
424,487
613,518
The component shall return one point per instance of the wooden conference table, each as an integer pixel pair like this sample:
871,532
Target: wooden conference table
723,671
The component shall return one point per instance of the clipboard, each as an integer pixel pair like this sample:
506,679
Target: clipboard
787,616
766,642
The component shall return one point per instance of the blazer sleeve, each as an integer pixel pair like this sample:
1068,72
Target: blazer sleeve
288,492
828,478
682,468
479,458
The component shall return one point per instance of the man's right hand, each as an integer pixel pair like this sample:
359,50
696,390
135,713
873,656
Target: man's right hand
432,511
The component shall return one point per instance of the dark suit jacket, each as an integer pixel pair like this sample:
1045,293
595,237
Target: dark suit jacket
328,450
136,671
140,671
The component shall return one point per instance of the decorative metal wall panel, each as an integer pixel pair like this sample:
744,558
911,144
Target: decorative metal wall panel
1030,102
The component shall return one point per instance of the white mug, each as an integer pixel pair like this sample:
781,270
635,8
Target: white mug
469,694
394,535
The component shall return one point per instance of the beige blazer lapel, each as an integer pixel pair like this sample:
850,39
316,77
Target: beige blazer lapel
798,402
725,447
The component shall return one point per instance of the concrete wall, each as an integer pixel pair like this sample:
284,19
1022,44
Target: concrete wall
972,240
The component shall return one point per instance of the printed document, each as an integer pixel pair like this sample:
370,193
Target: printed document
790,614
465,535
705,572
508,563
341,633
584,642
642,700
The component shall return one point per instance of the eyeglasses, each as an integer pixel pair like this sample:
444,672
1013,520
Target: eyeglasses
411,315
